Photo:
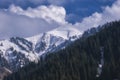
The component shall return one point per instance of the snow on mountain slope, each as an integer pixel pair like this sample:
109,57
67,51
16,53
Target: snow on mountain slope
65,32
17,52
14,54
54,40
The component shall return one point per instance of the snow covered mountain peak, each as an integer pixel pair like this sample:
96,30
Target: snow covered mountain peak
54,40
65,32
17,52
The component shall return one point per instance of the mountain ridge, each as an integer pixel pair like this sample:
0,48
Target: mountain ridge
96,57
17,52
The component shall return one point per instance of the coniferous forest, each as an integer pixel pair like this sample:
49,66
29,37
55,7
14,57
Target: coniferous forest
96,57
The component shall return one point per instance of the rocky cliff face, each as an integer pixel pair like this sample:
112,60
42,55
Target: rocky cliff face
17,52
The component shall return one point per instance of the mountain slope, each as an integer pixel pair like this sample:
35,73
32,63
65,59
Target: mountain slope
17,52
55,39
4,72
96,57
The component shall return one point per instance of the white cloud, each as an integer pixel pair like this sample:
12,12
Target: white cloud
18,22
30,22
109,14
112,13
92,21
47,13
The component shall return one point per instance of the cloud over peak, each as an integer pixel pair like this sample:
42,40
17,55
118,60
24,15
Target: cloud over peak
109,13
47,13
16,21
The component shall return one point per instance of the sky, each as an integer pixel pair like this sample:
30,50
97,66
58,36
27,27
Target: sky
26,18
77,9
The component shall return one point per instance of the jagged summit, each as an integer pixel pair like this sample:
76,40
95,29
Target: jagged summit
17,52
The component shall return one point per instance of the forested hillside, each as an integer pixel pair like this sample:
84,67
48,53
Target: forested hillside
96,57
